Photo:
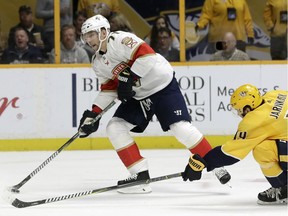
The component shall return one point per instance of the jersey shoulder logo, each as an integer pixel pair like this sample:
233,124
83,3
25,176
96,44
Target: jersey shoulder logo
129,42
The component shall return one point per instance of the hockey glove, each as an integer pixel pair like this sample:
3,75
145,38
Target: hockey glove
250,40
125,84
196,28
193,170
86,126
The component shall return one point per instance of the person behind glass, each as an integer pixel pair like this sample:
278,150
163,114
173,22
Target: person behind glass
118,22
226,16
275,19
103,7
45,11
228,51
35,32
161,22
164,45
22,52
70,52
79,19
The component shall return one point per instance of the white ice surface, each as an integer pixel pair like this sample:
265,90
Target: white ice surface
77,171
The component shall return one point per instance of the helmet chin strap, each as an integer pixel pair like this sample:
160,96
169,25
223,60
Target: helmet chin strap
101,41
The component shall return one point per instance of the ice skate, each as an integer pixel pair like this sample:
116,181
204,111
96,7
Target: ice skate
137,189
273,196
222,175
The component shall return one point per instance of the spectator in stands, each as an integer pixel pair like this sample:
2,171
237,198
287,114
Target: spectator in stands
22,52
70,52
103,7
227,16
119,22
228,51
45,11
26,22
159,22
164,45
79,19
275,19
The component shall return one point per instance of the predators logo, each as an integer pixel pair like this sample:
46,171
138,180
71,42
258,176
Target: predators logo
129,42
243,93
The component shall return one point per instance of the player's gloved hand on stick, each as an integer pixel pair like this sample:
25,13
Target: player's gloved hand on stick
86,127
124,90
250,40
196,28
193,170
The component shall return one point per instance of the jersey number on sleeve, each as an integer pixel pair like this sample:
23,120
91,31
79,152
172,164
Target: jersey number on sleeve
240,135
111,36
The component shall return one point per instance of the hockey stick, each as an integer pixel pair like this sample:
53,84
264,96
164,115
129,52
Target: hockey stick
15,188
22,204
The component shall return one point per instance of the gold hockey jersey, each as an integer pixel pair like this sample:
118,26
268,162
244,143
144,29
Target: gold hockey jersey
266,122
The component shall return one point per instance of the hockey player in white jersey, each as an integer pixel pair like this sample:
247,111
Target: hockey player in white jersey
130,70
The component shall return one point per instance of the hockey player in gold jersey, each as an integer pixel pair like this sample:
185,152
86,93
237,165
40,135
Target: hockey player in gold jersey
263,130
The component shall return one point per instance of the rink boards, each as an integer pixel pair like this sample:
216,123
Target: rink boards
40,107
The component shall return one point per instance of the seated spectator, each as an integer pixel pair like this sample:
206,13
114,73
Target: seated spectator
228,51
118,22
35,32
164,45
103,7
70,51
22,52
79,19
160,22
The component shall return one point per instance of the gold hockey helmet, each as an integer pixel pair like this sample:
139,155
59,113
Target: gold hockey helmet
245,95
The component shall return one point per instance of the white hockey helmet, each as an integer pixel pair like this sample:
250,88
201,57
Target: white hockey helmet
95,23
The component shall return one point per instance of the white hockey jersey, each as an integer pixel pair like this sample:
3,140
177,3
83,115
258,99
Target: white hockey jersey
123,48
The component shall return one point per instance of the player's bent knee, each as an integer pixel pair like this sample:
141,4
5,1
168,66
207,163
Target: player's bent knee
265,152
118,132
266,156
186,133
